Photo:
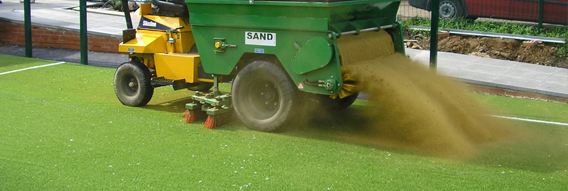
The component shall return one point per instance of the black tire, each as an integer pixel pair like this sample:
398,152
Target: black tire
132,84
264,97
451,9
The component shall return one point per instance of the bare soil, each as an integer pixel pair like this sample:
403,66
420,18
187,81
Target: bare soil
505,49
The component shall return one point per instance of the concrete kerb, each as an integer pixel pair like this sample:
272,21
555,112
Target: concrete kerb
512,91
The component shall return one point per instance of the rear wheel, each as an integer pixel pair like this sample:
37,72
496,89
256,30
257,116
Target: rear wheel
132,84
263,96
451,9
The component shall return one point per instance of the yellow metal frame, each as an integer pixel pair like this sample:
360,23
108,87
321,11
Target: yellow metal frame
177,66
145,42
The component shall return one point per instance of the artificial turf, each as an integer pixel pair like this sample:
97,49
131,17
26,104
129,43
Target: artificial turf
63,128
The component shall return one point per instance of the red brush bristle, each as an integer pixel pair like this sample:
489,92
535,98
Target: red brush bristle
210,123
216,120
191,116
185,113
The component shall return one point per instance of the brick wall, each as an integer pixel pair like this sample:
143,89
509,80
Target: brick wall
43,36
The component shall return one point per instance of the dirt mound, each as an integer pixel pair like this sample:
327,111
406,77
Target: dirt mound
505,49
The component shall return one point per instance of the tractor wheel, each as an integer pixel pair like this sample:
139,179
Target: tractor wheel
263,96
451,9
132,84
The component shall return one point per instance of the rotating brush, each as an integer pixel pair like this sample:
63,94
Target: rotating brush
213,121
191,116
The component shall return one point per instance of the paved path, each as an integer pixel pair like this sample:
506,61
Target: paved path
477,70
512,75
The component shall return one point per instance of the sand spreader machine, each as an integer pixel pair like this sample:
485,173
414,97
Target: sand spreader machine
275,53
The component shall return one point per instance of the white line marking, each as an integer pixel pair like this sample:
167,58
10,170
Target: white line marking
531,120
33,67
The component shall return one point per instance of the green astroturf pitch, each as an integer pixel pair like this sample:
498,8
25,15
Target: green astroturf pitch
62,127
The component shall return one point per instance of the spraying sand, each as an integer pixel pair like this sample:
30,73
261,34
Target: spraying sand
415,109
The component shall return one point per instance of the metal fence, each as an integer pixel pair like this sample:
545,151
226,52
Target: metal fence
537,11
